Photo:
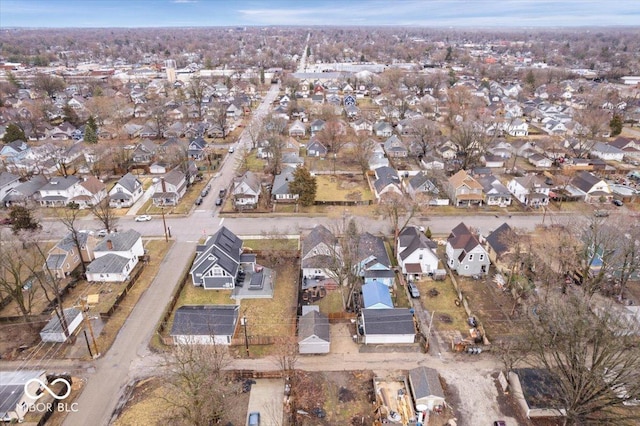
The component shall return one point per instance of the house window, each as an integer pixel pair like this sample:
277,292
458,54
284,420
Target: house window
470,258
466,266
450,262
420,256
481,258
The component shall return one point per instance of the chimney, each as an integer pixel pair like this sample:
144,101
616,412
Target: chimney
164,185
109,244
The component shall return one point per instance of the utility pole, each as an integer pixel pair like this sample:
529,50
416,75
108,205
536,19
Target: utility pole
164,223
429,331
96,354
246,337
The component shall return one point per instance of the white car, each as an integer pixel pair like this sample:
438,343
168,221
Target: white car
231,149
101,233
143,218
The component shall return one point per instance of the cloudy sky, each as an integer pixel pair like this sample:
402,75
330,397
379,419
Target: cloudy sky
426,13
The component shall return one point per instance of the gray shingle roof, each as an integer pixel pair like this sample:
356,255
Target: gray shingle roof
53,326
7,178
371,245
129,182
223,249
110,263
60,183
425,382
388,321
281,181
205,320
412,239
121,241
313,323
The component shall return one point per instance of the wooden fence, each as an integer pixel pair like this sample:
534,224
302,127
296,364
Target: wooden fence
135,274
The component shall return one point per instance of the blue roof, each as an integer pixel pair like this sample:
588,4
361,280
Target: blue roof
376,293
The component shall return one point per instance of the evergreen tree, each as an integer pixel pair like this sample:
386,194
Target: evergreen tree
616,125
12,133
91,130
304,185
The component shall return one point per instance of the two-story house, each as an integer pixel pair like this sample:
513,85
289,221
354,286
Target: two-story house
395,148
464,190
530,190
594,189
169,189
320,257
387,181
59,191
373,263
465,254
126,191
8,182
64,257
89,192
416,253
115,257
246,191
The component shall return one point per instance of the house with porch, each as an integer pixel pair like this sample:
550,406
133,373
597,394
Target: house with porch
395,148
169,189
280,192
59,191
593,188
465,254
495,193
64,257
246,191
89,192
416,253
126,191
530,190
464,190
115,257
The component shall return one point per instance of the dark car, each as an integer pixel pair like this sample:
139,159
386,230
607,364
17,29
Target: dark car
223,192
198,201
618,203
499,423
218,201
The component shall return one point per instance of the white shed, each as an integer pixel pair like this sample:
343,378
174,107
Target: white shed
387,326
313,333
53,333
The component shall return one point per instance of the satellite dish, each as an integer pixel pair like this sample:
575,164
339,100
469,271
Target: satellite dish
421,407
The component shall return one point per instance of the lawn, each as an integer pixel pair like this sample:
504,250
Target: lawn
271,244
342,188
448,316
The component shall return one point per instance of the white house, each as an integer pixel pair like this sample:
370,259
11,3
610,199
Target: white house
115,257
416,253
517,127
530,190
126,191
607,152
59,191
246,191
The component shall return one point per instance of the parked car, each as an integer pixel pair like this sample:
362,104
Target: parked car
218,201
254,419
143,218
198,201
204,192
231,149
223,192
618,203
499,423
413,290
101,233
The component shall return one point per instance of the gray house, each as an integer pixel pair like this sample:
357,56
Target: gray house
426,388
313,332
8,182
465,254
246,191
320,252
205,324
125,192
280,189
219,261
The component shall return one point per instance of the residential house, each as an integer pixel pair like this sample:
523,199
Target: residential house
8,182
126,191
498,243
372,262
313,332
14,152
64,257
205,324
382,129
530,190
493,161
115,257
297,129
420,187
169,189
315,148
219,261
17,391
159,168
595,190
196,148
416,253
246,191
517,128
316,126
53,332
59,191
144,151
447,151
89,192
465,254
540,161
464,190
607,152
292,159
26,192
386,326
426,389
395,148
378,157
376,295
387,181
362,125
280,189
495,193
320,256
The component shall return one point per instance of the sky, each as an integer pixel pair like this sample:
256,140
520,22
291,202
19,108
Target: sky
421,13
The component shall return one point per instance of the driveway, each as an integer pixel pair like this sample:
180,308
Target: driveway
267,398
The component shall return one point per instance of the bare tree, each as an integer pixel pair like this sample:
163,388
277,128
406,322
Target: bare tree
593,358
425,132
256,134
332,135
196,92
197,383
286,355
471,140
69,218
362,151
103,211
399,209
275,150
48,84
14,275
219,119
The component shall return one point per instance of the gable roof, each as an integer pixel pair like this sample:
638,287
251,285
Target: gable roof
497,240
6,178
462,178
462,238
318,235
388,321
413,239
60,183
374,293
120,241
425,382
110,263
313,323
222,248
93,185
281,181
250,179
130,182
385,176
205,320
371,245
421,180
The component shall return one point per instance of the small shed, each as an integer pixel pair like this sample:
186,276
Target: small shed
53,332
313,333
387,326
426,388
376,295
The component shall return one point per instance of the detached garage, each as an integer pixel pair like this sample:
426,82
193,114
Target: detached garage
426,388
313,332
53,332
387,326
204,324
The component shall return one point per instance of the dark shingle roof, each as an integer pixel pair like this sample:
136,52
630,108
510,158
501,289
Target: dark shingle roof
205,320
425,382
462,238
412,239
388,321
370,245
498,239
110,263
313,323
223,249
